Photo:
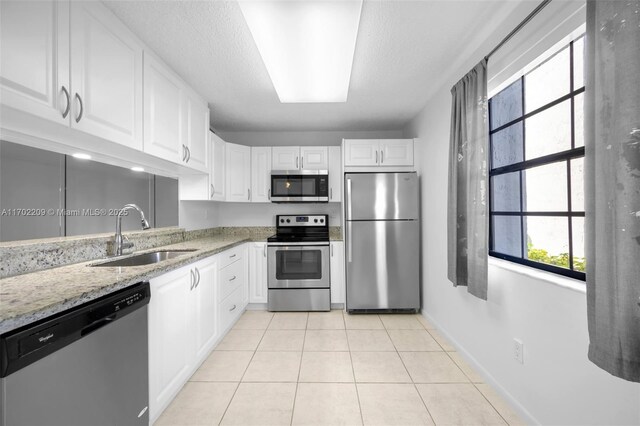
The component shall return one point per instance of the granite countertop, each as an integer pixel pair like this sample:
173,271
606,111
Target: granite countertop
30,297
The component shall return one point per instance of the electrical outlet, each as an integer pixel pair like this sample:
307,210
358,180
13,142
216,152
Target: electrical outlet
518,350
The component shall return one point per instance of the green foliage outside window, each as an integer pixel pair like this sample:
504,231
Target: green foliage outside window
561,260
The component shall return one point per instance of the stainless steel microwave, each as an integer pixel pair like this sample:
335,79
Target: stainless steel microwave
310,186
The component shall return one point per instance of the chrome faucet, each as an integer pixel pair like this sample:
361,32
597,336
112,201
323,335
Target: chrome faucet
120,243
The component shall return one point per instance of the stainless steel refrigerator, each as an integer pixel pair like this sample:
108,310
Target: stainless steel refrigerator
382,231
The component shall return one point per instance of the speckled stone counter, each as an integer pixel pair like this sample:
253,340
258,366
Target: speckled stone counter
30,297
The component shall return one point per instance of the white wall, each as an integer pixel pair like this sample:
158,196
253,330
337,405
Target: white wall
557,383
198,214
304,138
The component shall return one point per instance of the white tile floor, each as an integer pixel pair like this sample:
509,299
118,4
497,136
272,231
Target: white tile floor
332,368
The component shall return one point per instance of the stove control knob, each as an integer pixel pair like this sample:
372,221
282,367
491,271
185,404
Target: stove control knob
321,220
288,220
315,220
281,220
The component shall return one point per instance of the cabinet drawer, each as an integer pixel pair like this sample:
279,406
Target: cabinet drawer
227,257
230,308
231,278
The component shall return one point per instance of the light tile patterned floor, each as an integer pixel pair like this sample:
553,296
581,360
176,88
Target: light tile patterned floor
332,368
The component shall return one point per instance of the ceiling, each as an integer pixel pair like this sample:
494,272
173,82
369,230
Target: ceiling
403,50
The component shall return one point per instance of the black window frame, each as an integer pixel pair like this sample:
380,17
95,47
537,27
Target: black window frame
554,158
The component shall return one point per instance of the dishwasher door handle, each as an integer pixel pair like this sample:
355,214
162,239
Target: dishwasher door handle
97,324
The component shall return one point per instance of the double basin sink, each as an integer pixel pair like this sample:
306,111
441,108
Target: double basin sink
146,258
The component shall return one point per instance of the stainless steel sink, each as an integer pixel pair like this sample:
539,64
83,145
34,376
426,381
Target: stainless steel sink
146,258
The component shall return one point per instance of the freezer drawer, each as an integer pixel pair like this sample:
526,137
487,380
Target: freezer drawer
381,196
382,262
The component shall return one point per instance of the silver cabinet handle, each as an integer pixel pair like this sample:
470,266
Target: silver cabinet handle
79,117
66,94
264,251
248,194
233,255
331,193
193,279
302,162
233,308
212,191
269,193
233,278
188,154
376,156
331,250
184,152
198,275
381,156
297,163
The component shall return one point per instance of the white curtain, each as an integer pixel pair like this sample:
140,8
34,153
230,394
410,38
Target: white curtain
467,220
612,185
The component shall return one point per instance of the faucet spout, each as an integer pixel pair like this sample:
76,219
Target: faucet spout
119,241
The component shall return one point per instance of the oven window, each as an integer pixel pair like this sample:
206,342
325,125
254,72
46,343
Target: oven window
298,265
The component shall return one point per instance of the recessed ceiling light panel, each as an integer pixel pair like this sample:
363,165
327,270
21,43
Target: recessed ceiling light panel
307,45
137,169
81,156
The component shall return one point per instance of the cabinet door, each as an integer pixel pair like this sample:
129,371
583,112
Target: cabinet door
197,132
217,171
34,58
257,272
396,152
285,158
361,152
106,75
335,174
205,305
337,272
314,158
260,174
170,337
162,112
238,173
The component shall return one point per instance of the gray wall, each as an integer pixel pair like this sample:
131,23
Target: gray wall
32,178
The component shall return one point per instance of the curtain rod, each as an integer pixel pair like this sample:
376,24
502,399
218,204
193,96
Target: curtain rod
518,28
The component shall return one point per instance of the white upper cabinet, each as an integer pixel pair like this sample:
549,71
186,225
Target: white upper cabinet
197,132
299,158
361,152
378,152
34,58
217,172
162,112
238,176
285,158
106,76
260,174
335,174
314,158
396,152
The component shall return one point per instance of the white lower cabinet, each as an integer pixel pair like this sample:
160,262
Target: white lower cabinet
205,309
257,272
337,272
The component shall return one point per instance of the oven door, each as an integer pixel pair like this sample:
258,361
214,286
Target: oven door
298,266
296,188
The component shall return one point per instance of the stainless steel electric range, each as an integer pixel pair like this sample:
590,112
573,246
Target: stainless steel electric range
298,264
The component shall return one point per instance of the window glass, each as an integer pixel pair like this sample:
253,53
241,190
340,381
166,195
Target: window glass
507,236
506,105
507,146
577,185
578,63
548,131
579,119
545,188
547,82
547,240
579,263
506,192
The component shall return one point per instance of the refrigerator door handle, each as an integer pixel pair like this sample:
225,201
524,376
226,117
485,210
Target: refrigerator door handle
348,195
349,243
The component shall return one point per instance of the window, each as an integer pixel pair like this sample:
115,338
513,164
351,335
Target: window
536,166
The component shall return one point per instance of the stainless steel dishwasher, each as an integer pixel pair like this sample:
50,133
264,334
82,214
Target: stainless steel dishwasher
84,366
